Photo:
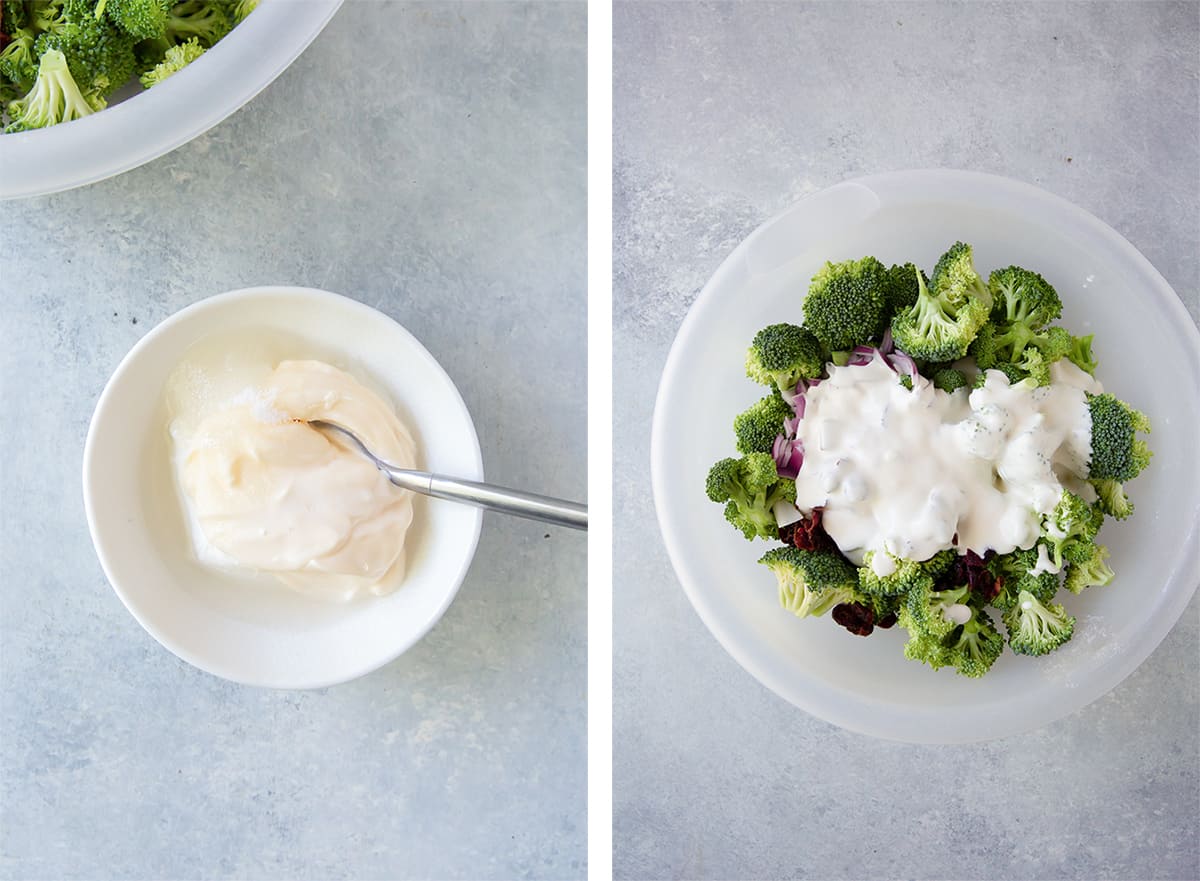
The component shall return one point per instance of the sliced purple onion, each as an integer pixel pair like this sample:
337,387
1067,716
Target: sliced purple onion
886,345
798,405
903,363
790,426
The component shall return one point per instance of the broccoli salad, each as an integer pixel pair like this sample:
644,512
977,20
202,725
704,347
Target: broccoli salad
933,452
62,59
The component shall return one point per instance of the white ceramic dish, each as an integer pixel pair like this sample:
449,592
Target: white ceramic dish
253,634
155,121
1108,289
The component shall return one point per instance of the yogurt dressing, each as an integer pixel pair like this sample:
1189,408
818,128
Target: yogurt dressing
912,472
264,491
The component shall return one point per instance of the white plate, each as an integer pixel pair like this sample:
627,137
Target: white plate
250,633
155,121
1149,353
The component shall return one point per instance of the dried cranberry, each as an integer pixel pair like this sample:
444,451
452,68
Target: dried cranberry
855,617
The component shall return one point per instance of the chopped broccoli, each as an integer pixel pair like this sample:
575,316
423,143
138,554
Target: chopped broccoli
144,19
1113,500
18,61
175,60
947,314
242,9
750,487
1071,528
1092,572
1015,571
1031,352
783,354
1020,296
904,577
1035,628
902,288
1080,354
846,303
948,379
1117,454
810,582
757,427
923,613
54,97
101,56
940,563
204,20
970,648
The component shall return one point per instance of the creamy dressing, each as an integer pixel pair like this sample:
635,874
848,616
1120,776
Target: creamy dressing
914,472
265,491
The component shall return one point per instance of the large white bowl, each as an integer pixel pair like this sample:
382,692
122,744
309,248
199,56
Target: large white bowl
1149,353
155,121
255,634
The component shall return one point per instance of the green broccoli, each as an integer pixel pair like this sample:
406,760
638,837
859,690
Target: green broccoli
940,563
783,354
948,379
923,613
1080,354
1031,352
1092,572
757,427
175,60
144,19
902,288
19,61
1035,628
810,582
204,20
100,55
1015,571
846,303
54,97
750,487
1070,529
1022,297
1014,373
1113,500
948,313
242,9
905,576
970,648
1117,454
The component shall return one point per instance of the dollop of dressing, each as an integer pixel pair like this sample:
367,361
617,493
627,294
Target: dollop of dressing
912,472
265,491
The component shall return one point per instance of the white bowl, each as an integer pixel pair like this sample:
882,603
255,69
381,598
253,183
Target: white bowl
155,121
253,634
1149,353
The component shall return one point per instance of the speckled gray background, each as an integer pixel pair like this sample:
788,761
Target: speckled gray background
428,159
724,115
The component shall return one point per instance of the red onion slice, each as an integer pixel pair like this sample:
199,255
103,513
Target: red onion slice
887,345
903,363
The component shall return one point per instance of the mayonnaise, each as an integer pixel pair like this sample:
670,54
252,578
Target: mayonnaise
912,472
267,492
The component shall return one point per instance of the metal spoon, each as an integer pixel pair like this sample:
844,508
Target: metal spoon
483,495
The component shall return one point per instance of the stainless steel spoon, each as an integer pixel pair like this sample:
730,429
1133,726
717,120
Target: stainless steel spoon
483,495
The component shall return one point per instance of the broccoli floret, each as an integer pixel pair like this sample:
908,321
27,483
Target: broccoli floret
18,61
970,648
940,563
144,19
54,97
175,60
1014,373
750,487
204,20
1117,454
810,582
1092,572
846,303
1080,354
905,575
1035,628
923,609
948,379
100,55
1020,296
1113,500
242,9
1071,528
902,287
947,314
783,354
47,15
13,16
1015,570
1031,352
757,427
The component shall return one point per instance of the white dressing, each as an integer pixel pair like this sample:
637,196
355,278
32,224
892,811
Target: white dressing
916,471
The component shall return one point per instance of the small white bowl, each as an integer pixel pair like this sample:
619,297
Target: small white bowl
249,633
1149,354
151,122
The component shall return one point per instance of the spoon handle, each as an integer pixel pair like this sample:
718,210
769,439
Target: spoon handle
496,498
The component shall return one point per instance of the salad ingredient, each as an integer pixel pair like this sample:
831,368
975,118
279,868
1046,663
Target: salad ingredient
953,451
105,44
783,354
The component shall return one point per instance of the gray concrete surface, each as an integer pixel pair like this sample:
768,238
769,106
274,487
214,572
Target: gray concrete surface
427,159
724,115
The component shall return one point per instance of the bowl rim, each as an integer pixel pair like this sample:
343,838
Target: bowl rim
128,364
822,701
116,140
